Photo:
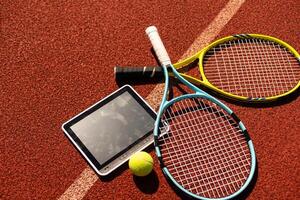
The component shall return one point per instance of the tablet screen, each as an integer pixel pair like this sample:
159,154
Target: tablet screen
113,127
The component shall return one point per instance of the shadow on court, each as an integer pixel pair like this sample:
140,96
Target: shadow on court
148,184
117,172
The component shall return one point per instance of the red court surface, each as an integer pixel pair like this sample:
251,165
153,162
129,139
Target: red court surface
57,58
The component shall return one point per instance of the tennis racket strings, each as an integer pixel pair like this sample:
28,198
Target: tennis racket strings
204,148
252,67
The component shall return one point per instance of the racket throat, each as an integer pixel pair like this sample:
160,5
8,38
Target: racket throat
169,68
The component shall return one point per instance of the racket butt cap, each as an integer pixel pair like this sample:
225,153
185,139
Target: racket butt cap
150,29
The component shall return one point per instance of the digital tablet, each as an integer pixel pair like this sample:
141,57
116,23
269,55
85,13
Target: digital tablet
111,130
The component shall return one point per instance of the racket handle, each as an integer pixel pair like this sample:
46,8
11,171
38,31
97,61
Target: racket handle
137,72
158,45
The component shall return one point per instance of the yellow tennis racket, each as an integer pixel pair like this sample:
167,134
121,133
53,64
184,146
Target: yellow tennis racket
245,67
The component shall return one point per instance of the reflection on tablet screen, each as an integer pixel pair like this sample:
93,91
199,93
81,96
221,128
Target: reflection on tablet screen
114,127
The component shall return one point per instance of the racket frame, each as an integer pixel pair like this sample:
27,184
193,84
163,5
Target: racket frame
200,94
167,68
200,55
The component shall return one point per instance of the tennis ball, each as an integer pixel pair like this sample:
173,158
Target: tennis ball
141,163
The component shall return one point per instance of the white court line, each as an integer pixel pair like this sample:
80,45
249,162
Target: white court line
88,177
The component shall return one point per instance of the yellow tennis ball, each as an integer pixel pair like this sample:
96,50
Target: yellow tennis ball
141,163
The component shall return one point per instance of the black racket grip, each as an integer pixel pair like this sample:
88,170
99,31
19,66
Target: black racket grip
138,72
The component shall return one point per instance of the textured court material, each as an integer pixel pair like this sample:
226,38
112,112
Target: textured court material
57,57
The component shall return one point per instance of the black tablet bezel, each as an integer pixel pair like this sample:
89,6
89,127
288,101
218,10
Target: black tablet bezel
67,126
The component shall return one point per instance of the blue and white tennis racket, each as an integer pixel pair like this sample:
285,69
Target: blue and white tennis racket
203,147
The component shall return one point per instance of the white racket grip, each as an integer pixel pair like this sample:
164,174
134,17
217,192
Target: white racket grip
158,45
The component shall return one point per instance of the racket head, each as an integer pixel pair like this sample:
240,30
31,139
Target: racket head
274,63
210,114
